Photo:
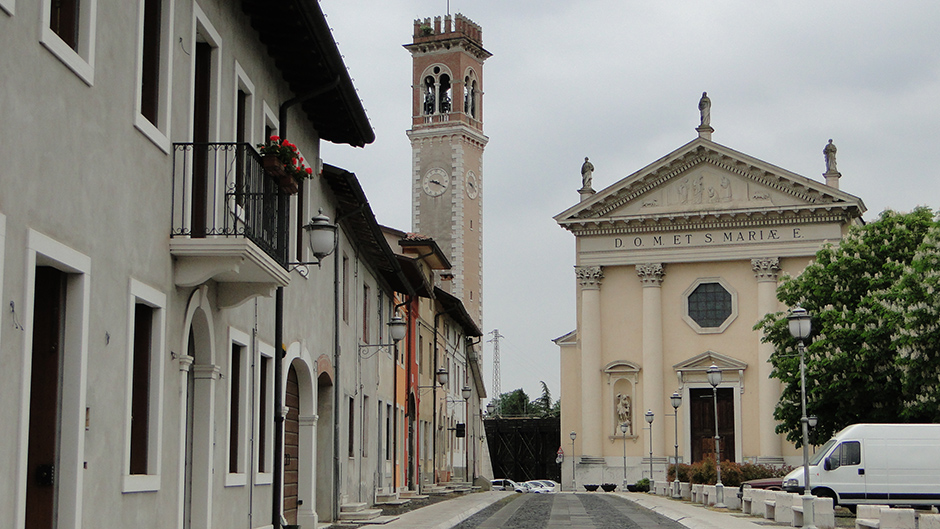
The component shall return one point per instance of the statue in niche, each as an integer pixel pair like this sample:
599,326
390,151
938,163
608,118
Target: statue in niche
587,173
624,412
705,109
829,153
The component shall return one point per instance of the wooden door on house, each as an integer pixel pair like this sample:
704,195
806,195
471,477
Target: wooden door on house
702,423
44,398
291,446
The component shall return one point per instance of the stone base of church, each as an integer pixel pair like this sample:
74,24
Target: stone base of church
599,470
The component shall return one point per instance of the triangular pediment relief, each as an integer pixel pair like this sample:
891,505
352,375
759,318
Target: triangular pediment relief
703,361
703,182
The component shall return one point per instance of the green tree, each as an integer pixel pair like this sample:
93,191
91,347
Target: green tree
544,406
860,294
513,404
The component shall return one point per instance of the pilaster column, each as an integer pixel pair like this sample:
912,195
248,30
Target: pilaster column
589,278
765,270
651,276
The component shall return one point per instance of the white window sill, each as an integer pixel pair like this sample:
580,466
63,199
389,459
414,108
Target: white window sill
141,483
152,133
236,480
75,62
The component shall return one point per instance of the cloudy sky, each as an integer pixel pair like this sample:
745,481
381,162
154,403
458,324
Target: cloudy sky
619,81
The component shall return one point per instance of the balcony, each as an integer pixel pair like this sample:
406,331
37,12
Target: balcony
229,222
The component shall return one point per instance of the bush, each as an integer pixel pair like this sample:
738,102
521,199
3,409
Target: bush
643,485
732,474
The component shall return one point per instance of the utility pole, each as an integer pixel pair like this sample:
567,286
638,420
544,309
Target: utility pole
496,375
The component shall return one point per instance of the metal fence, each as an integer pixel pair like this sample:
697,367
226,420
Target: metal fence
221,190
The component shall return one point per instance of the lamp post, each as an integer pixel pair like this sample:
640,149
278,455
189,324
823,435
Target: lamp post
649,420
465,393
676,400
573,436
623,430
714,378
800,325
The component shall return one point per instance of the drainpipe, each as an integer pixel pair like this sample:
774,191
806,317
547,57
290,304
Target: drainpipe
278,474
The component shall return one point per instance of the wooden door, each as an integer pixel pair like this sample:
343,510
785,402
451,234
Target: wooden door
291,446
702,423
44,405
201,120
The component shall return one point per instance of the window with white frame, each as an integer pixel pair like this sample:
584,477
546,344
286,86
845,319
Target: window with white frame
264,413
68,31
238,381
154,47
146,321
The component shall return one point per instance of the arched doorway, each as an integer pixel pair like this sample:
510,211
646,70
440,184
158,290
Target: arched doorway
291,446
324,451
199,377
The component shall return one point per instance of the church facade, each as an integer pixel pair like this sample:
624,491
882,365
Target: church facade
675,264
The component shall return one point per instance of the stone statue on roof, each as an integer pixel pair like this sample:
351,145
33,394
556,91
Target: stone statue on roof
705,109
829,153
587,173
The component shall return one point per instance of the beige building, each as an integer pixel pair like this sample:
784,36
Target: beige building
675,264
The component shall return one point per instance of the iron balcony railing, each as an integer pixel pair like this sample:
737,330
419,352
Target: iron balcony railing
221,190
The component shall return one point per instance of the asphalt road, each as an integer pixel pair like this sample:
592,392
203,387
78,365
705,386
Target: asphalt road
570,511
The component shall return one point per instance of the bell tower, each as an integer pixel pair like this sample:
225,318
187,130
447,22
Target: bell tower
447,143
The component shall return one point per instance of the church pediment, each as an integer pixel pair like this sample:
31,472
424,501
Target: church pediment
706,183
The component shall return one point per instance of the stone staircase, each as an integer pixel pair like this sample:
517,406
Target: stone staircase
392,499
358,513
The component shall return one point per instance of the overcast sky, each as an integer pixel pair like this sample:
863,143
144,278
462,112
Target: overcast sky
619,81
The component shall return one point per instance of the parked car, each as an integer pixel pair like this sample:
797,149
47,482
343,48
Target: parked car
537,486
763,483
552,486
507,484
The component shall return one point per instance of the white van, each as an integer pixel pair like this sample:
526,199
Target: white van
891,464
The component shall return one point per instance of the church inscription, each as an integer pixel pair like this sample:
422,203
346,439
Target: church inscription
710,237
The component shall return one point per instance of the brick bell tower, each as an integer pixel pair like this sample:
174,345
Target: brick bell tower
447,143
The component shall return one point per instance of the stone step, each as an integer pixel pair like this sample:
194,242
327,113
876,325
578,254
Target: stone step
353,507
381,520
359,516
412,495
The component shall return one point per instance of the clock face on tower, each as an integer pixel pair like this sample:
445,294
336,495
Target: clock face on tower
435,182
473,187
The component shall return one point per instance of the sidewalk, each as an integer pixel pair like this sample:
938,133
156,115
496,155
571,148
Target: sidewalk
693,515
446,514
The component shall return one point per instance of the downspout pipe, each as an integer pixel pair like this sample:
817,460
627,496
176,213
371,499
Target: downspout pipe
278,474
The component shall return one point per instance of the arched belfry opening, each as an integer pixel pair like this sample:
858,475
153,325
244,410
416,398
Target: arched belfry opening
437,92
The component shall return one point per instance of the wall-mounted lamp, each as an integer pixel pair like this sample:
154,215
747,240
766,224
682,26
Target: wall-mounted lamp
441,376
396,330
321,239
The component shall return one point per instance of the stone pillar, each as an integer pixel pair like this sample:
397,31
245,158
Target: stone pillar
765,270
651,276
592,429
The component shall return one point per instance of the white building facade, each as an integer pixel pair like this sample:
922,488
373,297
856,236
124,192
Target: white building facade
150,358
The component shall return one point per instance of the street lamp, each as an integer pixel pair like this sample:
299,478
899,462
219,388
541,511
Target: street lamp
649,420
573,436
623,430
490,408
800,325
676,400
714,378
